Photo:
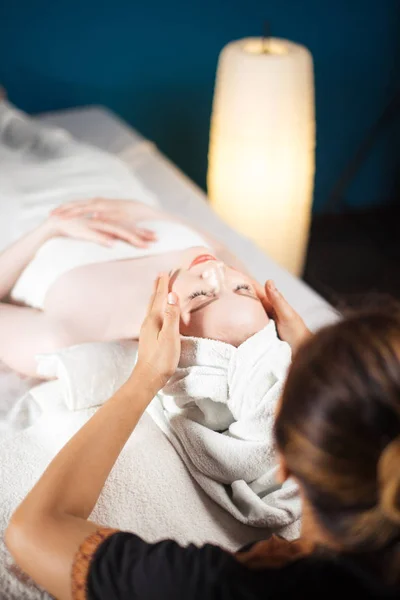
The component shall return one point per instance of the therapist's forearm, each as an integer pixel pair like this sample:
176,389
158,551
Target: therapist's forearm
72,483
15,258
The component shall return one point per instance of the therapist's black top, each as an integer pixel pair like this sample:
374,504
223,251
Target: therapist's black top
124,567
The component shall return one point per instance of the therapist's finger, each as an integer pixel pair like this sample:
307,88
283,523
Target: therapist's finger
159,296
280,307
172,313
262,296
153,295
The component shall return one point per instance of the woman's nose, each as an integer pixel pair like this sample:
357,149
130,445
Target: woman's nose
215,275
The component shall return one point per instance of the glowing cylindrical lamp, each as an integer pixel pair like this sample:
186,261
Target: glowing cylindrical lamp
262,145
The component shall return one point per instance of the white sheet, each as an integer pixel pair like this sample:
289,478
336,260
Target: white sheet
149,491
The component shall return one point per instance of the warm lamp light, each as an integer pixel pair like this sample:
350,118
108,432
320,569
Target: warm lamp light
262,145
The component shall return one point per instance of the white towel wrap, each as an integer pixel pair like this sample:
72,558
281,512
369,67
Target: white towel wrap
218,411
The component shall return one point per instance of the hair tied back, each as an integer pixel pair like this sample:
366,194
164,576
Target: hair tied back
389,480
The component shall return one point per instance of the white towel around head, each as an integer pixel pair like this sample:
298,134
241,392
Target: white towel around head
218,411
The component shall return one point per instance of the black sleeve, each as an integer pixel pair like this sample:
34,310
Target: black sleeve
125,567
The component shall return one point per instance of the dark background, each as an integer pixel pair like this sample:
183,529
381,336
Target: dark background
154,64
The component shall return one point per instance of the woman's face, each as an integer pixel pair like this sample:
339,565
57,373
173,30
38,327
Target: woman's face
217,301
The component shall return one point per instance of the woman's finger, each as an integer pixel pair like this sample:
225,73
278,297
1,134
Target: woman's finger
84,211
118,232
97,237
93,213
64,208
80,207
146,234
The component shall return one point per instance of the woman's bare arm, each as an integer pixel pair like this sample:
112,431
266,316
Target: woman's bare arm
15,258
48,527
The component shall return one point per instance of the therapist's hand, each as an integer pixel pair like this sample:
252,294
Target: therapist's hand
290,325
159,340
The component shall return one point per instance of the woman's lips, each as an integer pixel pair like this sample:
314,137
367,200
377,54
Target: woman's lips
201,259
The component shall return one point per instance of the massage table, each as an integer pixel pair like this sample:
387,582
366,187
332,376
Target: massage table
100,127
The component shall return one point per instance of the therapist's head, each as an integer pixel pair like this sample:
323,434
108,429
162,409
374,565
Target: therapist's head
216,301
338,431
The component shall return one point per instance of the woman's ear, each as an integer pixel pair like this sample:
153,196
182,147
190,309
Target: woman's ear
283,472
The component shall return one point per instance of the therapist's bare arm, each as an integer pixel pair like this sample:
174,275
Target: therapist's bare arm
48,527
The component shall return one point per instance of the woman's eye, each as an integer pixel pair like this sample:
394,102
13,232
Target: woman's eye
199,293
243,286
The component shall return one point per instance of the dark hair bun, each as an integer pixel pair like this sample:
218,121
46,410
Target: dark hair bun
389,479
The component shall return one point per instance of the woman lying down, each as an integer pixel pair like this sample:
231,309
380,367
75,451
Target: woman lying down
86,274
232,363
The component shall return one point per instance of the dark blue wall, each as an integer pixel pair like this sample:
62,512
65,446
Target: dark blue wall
154,64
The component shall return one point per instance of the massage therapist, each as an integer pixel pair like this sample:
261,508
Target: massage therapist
338,435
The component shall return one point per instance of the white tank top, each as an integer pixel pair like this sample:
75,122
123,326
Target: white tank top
60,255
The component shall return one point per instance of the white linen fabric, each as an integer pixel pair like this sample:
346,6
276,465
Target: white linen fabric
217,410
149,490
42,168
89,373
